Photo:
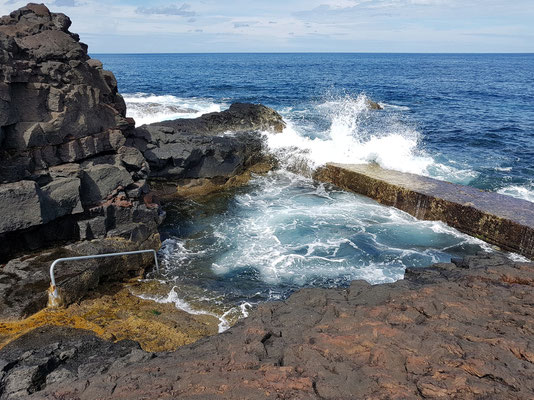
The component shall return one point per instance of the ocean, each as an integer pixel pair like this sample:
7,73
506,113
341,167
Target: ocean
464,118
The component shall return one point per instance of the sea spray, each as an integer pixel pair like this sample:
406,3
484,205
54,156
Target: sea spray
357,134
149,108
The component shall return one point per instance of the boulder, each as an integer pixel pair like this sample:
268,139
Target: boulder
61,197
20,206
99,181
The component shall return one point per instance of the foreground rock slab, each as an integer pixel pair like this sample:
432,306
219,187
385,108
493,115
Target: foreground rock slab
497,219
462,330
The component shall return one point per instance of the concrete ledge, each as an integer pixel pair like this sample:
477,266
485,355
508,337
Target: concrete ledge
501,220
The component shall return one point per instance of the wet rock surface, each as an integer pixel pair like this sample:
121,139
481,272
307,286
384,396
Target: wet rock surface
65,172
25,281
461,330
196,152
501,220
116,312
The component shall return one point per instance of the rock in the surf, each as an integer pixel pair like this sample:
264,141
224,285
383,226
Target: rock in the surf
373,105
216,150
240,117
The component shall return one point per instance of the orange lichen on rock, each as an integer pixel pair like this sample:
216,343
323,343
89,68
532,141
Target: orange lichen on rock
119,315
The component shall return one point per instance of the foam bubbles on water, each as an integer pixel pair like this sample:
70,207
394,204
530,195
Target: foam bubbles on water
521,192
225,318
148,108
356,134
293,231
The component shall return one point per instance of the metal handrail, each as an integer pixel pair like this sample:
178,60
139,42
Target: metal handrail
53,288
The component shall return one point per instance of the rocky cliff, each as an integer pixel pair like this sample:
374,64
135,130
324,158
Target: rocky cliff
74,169
66,172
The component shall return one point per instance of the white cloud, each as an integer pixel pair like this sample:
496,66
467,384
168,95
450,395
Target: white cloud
183,10
299,25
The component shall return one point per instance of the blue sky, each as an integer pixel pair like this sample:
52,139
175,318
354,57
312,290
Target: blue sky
134,26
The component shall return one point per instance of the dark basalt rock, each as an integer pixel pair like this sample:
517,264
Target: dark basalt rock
43,359
190,156
198,149
461,330
240,117
63,130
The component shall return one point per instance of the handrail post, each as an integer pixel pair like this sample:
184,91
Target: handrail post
53,295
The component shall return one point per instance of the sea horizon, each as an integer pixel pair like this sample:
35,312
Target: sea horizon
325,52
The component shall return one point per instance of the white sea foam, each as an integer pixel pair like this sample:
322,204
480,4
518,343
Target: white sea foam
357,135
394,107
224,319
148,108
293,231
520,192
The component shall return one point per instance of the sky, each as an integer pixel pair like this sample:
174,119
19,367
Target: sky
166,26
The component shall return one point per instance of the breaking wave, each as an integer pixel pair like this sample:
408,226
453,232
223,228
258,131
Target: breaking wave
520,192
149,108
355,134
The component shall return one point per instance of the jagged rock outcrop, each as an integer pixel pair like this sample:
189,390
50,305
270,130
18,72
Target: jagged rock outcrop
66,172
460,330
240,117
196,155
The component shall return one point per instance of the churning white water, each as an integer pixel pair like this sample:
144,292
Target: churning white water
285,231
148,108
354,134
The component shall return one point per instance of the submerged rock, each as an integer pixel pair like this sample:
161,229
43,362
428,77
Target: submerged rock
453,330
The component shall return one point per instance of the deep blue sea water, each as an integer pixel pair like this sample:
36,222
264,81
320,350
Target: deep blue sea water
463,118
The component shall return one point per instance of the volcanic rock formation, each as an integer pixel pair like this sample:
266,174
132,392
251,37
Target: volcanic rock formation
195,156
462,331
65,171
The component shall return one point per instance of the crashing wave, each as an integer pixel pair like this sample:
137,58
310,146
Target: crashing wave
149,108
357,134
